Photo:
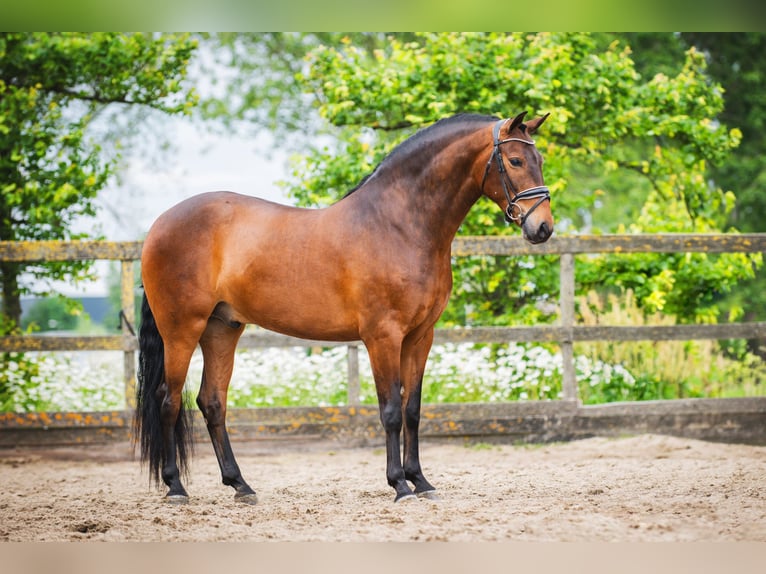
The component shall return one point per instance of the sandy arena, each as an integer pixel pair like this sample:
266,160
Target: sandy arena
643,488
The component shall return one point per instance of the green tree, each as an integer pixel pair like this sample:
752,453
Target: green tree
606,119
53,162
255,81
735,61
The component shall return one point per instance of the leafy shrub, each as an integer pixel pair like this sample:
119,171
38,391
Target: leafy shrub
666,369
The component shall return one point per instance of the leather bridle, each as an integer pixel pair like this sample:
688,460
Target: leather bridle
514,212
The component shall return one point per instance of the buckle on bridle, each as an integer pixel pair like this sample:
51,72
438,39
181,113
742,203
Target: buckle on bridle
509,215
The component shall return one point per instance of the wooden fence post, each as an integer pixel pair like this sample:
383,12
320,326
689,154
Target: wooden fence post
567,306
128,322
353,375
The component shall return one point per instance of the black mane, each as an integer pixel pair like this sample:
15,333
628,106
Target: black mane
456,124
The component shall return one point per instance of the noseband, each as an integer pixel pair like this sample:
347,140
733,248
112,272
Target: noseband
513,212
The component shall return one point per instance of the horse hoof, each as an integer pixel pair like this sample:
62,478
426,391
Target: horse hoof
429,495
405,498
177,499
247,498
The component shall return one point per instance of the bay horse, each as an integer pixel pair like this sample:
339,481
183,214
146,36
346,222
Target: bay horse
375,267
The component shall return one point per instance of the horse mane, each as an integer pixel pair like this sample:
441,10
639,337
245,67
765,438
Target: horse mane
454,124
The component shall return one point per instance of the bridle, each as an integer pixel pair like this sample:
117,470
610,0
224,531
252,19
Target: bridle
514,212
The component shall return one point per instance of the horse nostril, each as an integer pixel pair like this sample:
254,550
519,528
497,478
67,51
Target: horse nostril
538,234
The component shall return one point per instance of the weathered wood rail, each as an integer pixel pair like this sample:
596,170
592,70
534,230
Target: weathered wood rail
719,419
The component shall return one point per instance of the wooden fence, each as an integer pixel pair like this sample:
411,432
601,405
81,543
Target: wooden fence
745,419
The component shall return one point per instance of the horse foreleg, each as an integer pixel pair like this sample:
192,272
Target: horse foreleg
390,402
414,359
385,360
218,344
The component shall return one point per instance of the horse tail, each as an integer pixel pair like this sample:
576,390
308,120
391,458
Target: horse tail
147,420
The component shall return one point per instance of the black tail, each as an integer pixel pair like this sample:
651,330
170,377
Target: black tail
146,423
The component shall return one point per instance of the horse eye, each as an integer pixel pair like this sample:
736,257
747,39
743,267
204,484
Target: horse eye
515,162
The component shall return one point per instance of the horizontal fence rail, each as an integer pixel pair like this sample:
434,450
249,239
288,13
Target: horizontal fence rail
566,332
613,243
545,333
70,250
461,246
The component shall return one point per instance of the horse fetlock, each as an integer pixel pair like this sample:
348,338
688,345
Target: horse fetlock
233,479
172,479
420,483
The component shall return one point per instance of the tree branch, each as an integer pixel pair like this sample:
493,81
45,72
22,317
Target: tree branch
393,127
95,98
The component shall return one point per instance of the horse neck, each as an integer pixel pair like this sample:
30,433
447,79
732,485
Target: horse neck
428,197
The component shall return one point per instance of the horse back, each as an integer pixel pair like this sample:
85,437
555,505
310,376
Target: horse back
268,263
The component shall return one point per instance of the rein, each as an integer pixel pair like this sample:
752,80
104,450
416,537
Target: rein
514,212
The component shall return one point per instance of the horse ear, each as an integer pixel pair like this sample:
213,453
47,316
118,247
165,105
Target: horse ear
533,125
516,122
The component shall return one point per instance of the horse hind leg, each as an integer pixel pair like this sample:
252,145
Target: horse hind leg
161,420
175,421
218,343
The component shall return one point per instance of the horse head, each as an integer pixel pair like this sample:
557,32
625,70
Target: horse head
514,170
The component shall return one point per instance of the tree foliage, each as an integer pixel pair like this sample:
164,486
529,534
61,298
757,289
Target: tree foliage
261,87
736,61
52,86
606,120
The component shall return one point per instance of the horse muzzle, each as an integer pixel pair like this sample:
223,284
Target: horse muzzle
539,233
